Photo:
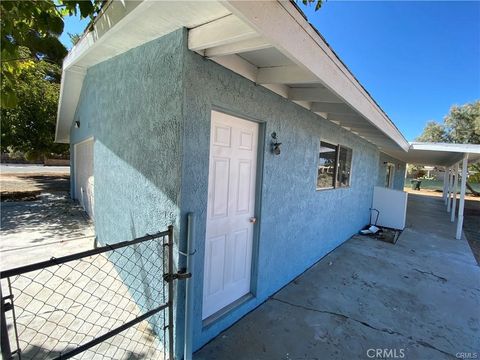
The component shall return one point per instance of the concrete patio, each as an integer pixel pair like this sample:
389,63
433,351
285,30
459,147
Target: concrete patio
419,298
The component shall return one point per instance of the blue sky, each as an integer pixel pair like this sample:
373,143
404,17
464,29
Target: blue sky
73,25
415,58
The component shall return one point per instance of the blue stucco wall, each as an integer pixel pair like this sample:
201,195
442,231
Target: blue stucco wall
398,175
297,224
149,111
132,105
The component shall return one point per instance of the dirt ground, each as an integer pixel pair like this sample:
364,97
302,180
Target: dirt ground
471,222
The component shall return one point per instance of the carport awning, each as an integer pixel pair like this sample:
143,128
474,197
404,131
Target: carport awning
438,154
449,156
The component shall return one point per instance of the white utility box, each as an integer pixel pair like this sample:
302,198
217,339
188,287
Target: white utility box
392,206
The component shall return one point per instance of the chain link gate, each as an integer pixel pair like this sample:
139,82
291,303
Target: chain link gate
112,302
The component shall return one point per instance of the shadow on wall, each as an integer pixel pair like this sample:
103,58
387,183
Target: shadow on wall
137,150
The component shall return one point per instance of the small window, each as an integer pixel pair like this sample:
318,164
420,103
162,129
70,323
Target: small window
334,166
344,166
326,166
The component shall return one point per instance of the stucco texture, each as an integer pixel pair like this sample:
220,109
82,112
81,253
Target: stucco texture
297,224
149,111
132,106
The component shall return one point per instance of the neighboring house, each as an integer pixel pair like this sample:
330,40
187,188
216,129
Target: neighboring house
177,107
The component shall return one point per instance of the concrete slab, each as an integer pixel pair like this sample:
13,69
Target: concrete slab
33,231
420,298
60,307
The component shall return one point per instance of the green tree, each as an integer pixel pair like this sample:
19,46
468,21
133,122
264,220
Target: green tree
433,132
461,125
29,126
318,3
29,33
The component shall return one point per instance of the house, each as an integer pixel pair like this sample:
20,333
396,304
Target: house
239,114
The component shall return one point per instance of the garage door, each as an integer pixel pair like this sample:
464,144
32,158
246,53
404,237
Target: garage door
83,173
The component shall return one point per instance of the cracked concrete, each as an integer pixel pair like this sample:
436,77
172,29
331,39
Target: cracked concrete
421,295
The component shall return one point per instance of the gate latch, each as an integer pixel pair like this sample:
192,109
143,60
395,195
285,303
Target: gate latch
181,275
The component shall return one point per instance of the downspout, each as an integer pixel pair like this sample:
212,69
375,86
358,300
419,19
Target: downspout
188,337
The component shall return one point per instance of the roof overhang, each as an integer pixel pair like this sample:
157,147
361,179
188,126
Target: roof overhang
439,154
269,42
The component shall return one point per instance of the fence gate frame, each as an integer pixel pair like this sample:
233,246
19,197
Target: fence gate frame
7,302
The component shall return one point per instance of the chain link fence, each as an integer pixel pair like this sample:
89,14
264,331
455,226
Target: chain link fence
107,303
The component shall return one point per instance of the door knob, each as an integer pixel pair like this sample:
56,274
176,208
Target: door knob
253,220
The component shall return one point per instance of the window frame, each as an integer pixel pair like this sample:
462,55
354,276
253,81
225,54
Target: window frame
332,146
339,147
335,184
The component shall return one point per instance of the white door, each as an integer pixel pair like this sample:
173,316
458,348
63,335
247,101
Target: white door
231,206
389,175
84,184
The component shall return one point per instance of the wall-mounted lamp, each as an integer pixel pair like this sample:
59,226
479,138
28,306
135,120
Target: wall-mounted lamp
275,144
77,124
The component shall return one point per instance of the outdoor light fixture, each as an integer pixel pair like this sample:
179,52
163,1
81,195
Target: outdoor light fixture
77,124
275,144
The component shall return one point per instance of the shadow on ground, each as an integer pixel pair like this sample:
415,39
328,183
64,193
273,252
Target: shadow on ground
38,353
47,218
419,297
471,226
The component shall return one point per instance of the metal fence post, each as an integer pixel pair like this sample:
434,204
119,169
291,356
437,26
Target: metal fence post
170,294
5,342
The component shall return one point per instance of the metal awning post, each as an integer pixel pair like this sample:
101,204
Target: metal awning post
449,192
445,185
461,205
445,176
454,197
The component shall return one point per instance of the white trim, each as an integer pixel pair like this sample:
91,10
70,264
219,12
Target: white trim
461,205
75,174
284,27
455,189
445,175
219,32
90,138
237,47
289,74
332,108
461,148
313,94
450,181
